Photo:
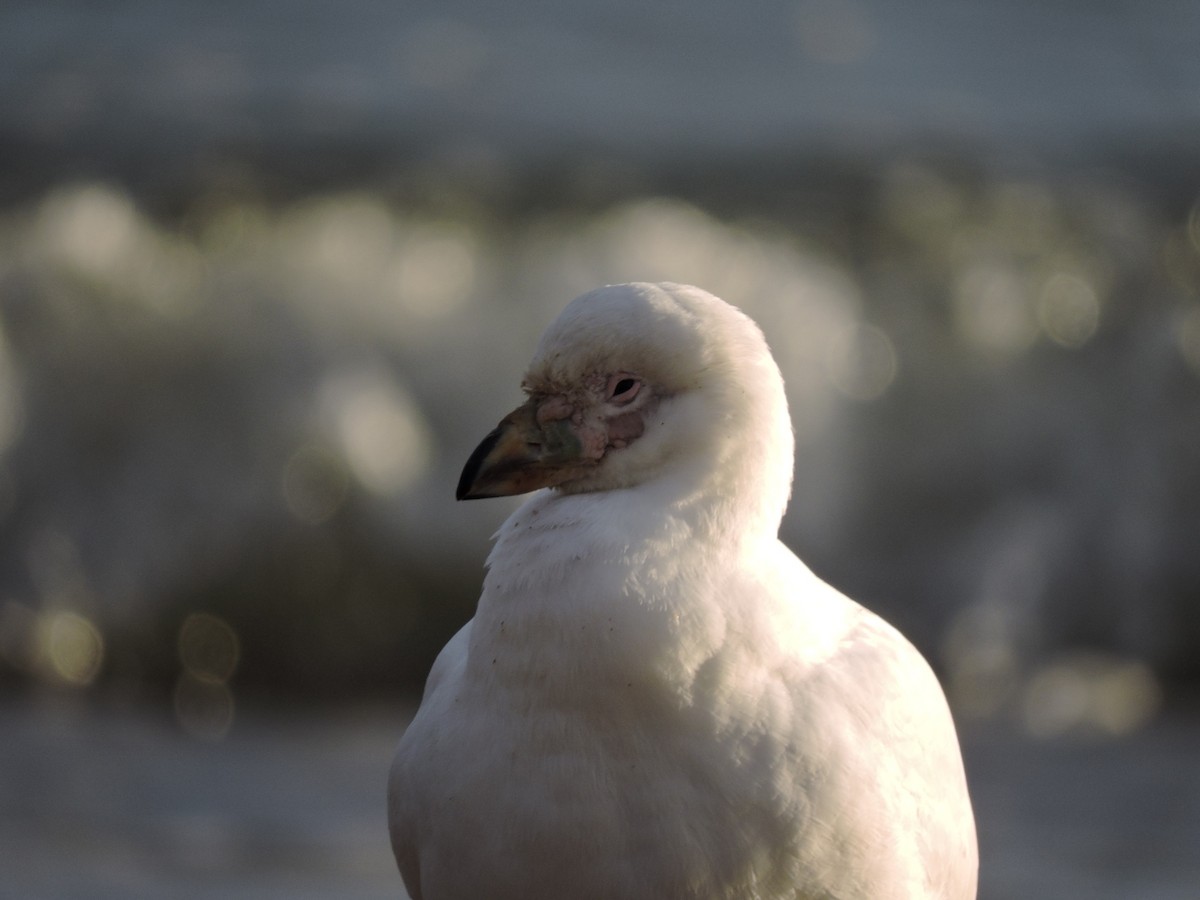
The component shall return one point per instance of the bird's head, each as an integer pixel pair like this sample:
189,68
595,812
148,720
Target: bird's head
633,382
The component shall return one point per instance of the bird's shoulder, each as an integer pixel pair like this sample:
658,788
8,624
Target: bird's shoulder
450,661
793,639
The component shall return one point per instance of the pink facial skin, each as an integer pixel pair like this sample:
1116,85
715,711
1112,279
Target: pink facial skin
596,431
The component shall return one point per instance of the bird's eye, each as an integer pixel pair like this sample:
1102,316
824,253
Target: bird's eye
623,388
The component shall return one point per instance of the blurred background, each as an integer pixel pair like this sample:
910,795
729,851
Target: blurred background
269,271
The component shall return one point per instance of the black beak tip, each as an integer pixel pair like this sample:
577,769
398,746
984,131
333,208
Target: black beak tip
470,471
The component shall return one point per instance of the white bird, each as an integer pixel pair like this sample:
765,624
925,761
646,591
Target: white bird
656,698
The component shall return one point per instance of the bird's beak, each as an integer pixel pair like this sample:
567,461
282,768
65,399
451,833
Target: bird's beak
521,455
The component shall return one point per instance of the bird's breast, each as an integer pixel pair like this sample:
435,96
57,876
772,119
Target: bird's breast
604,785
579,606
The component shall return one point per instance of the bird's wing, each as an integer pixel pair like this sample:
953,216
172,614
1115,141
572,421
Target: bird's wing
445,674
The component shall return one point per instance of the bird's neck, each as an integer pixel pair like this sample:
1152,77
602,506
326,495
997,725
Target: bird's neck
588,595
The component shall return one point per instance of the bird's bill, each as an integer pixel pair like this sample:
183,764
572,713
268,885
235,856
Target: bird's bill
520,456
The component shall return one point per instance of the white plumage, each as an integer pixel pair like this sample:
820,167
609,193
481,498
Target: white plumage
656,698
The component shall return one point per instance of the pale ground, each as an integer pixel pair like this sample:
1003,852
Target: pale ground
103,805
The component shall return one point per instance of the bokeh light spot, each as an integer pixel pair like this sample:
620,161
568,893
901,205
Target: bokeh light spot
1068,310
381,432
981,659
348,237
991,310
72,648
314,484
861,362
435,272
1090,692
91,228
208,648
